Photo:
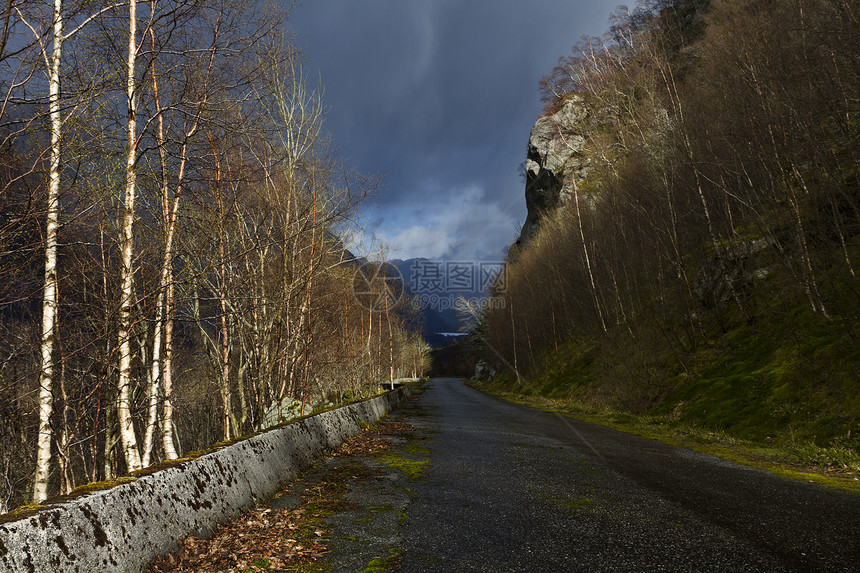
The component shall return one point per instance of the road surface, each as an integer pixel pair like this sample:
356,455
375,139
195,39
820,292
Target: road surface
511,488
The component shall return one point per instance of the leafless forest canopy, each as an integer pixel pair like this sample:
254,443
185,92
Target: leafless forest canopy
170,209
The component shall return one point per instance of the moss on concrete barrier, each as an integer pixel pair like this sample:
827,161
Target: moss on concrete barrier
122,528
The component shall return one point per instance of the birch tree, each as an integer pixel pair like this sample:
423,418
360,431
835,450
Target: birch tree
194,171
126,424
49,297
53,63
165,301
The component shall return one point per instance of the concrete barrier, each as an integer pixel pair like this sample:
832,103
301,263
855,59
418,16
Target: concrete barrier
123,528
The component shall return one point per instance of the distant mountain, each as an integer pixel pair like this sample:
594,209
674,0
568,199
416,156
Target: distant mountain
437,285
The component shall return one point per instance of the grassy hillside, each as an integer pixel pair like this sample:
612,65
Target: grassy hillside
784,391
784,379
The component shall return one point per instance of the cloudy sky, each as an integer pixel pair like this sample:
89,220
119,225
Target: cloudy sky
438,96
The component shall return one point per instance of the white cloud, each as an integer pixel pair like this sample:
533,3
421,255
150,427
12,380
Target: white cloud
462,225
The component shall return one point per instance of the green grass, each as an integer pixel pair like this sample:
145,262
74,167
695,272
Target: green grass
382,564
572,505
415,448
413,469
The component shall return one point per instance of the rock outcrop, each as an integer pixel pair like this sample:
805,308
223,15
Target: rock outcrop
484,371
555,161
731,270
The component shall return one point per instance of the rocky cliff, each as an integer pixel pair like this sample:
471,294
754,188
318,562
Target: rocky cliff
556,160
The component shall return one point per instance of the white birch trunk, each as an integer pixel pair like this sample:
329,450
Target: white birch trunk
223,350
154,388
126,425
49,297
155,376
162,316
162,369
167,376
587,258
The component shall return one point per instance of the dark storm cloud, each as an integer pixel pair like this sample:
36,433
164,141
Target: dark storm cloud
440,95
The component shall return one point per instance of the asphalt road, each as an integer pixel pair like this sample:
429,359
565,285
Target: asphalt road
511,488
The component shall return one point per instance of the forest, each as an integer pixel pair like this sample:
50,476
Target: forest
172,228
705,268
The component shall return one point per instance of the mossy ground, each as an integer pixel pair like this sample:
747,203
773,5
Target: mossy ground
380,564
413,469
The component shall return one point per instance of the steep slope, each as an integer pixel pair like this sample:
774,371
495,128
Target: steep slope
680,260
